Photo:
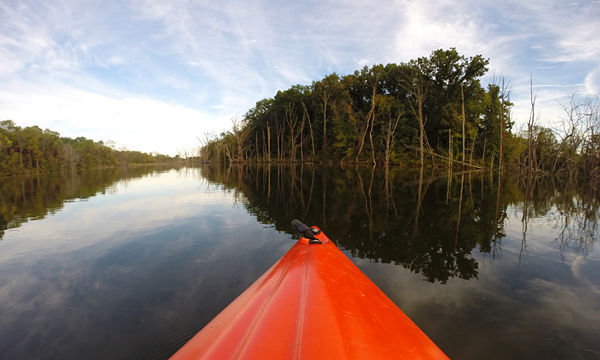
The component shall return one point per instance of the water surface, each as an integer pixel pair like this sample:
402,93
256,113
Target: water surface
130,272
130,264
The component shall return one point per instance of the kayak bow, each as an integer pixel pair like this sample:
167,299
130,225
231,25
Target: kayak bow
314,303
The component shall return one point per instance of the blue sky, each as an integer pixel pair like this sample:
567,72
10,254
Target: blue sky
155,75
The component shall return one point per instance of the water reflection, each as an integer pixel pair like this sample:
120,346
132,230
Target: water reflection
132,272
145,259
33,197
429,223
392,219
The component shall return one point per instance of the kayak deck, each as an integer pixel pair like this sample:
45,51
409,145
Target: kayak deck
313,303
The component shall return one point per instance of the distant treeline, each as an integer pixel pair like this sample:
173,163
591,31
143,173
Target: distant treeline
429,111
31,149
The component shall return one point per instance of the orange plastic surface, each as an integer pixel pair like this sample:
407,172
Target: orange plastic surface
314,303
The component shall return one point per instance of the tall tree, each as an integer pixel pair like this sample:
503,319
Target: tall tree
416,84
325,90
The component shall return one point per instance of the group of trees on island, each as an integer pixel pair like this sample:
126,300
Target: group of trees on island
386,114
429,111
31,149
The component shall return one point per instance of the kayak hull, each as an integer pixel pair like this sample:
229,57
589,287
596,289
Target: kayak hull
313,303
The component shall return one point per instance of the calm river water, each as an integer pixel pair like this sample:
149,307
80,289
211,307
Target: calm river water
117,264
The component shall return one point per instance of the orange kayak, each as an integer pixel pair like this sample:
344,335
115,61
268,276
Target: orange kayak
314,303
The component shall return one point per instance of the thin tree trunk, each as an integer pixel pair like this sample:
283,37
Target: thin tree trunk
472,149
264,148
449,148
277,138
501,160
483,156
364,134
268,143
291,120
372,125
415,85
389,139
421,132
462,94
256,144
530,129
302,141
312,138
325,95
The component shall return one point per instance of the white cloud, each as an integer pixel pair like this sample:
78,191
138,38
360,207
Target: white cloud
425,29
140,123
522,39
592,82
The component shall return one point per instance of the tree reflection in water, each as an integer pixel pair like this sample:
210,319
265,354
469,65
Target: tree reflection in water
34,196
429,223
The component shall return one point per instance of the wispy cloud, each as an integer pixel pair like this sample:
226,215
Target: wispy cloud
592,82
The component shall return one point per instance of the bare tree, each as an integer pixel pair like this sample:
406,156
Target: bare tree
324,90
241,133
368,125
206,139
312,138
416,86
268,142
504,96
462,96
292,120
530,125
571,134
391,124
373,123
590,110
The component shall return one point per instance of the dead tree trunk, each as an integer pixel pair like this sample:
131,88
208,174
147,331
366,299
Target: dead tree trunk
483,155
268,142
256,144
389,138
312,138
473,148
292,120
462,94
415,85
530,130
449,148
277,138
373,123
361,140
